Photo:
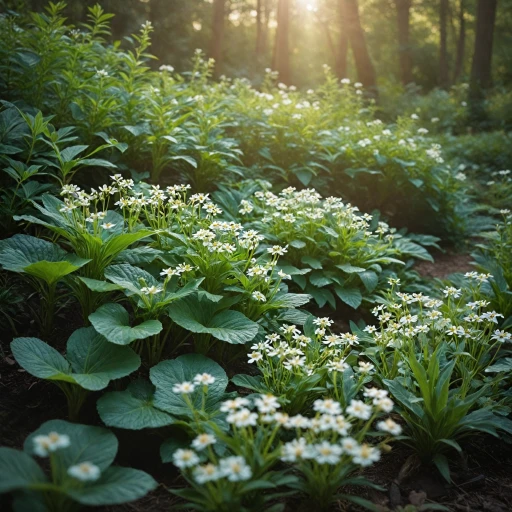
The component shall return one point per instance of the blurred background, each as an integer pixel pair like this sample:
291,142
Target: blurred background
430,43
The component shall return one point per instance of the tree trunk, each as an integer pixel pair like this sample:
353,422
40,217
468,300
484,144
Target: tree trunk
482,57
364,66
444,80
259,29
216,43
341,58
461,44
403,11
281,59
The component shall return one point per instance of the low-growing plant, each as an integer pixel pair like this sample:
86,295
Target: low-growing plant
44,265
332,250
297,367
238,464
90,364
159,402
81,470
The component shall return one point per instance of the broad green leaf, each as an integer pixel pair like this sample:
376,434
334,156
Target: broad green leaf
350,296
133,408
96,362
116,485
441,463
87,444
138,255
200,317
312,262
40,360
184,368
291,300
112,321
52,271
18,470
350,269
120,242
129,277
370,279
250,382
42,259
96,285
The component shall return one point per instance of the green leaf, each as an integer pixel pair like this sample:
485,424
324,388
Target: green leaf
252,382
96,362
87,444
133,408
18,470
441,463
130,277
116,485
369,279
168,373
37,257
350,296
121,242
312,262
112,321
40,360
350,269
52,271
99,286
201,317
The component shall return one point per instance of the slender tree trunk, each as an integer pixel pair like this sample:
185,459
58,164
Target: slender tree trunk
364,66
341,58
444,80
461,44
216,43
281,59
403,11
482,57
259,29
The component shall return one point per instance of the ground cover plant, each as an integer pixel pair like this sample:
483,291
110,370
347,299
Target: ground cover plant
225,280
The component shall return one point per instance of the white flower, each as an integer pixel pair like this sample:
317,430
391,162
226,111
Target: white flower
501,336
185,458
202,441
243,418
258,296
365,367
390,426
450,291
365,455
254,357
277,250
108,225
85,471
150,290
235,469
206,473
327,453
184,388
383,404
360,410
327,406
233,405
204,379
169,272
349,445
267,403
492,316
43,445
296,449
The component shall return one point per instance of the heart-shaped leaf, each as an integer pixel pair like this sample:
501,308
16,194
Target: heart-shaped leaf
112,321
133,408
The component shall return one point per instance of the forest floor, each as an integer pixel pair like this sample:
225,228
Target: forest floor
482,480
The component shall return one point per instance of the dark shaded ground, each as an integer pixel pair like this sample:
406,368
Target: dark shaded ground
446,263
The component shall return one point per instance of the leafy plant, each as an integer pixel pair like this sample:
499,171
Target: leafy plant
80,459
91,362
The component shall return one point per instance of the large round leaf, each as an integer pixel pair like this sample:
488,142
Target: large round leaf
201,317
37,257
168,373
129,277
116,485
18,470
41,360
132,409
87,444
113,322
95,361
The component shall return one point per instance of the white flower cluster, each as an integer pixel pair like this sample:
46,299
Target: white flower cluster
187,387
45,445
